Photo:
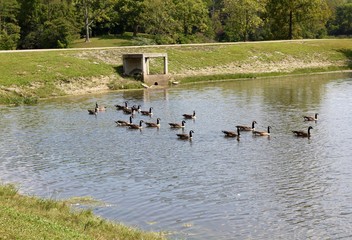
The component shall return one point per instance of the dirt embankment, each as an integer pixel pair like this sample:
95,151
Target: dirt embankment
100,84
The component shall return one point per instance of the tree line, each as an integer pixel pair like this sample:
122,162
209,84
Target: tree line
34,24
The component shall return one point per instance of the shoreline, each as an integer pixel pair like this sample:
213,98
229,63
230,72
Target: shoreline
152,87
32,75
106,89
30,217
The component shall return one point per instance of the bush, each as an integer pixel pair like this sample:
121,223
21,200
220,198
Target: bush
9,37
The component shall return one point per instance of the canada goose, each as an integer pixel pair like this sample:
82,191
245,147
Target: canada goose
232,134
310,118
152,124
303,133
147,113
93,111
185,136
262,133
178,125
190,116
136,126
100,108
137,108
124,123
121,107
129,110
247,128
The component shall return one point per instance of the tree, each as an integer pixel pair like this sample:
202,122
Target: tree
59,27
242,18
130,14
289,19
46,23
30,18
93,10
9,29
342,24
192,16
8,12
158,19
58,33
216,13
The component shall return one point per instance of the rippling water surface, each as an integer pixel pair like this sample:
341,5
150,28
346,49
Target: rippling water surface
213,187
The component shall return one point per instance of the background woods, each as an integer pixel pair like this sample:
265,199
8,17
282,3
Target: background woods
33,24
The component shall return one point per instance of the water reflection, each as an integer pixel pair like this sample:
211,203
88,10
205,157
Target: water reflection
211,187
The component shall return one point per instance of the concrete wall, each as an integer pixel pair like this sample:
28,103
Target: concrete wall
162,79
139,63
132,63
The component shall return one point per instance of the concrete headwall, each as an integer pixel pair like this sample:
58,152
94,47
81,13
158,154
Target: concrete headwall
138,64
162,79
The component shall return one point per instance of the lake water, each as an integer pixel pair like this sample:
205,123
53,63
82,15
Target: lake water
212,187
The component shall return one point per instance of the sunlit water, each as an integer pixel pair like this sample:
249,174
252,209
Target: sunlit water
213,187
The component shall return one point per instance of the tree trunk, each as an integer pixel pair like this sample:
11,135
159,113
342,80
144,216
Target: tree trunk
290,30
86,21
135,30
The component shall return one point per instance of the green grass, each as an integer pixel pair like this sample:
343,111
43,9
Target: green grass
23,68
113,41
23,217
28,76
216,56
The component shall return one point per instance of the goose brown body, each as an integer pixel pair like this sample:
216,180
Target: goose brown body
121,107
137,126
190,116
137,108
262,133
303,133
147,113
124,123
178,125
185,136
247,128
231,133
93,111
129,110
153,124
311,118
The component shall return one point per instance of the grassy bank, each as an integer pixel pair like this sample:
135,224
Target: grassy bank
126,39
28,76
23,217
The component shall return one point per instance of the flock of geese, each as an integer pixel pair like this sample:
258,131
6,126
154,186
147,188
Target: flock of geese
188,136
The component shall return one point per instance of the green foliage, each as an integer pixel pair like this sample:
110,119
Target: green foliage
9,29
9,37
175,21
129,14
158,19
58,33
34,24
288,19
243,18
192,16
342,24
47,24
93,11
60,28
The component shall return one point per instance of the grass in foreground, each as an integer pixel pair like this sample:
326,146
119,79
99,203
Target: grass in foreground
23,217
